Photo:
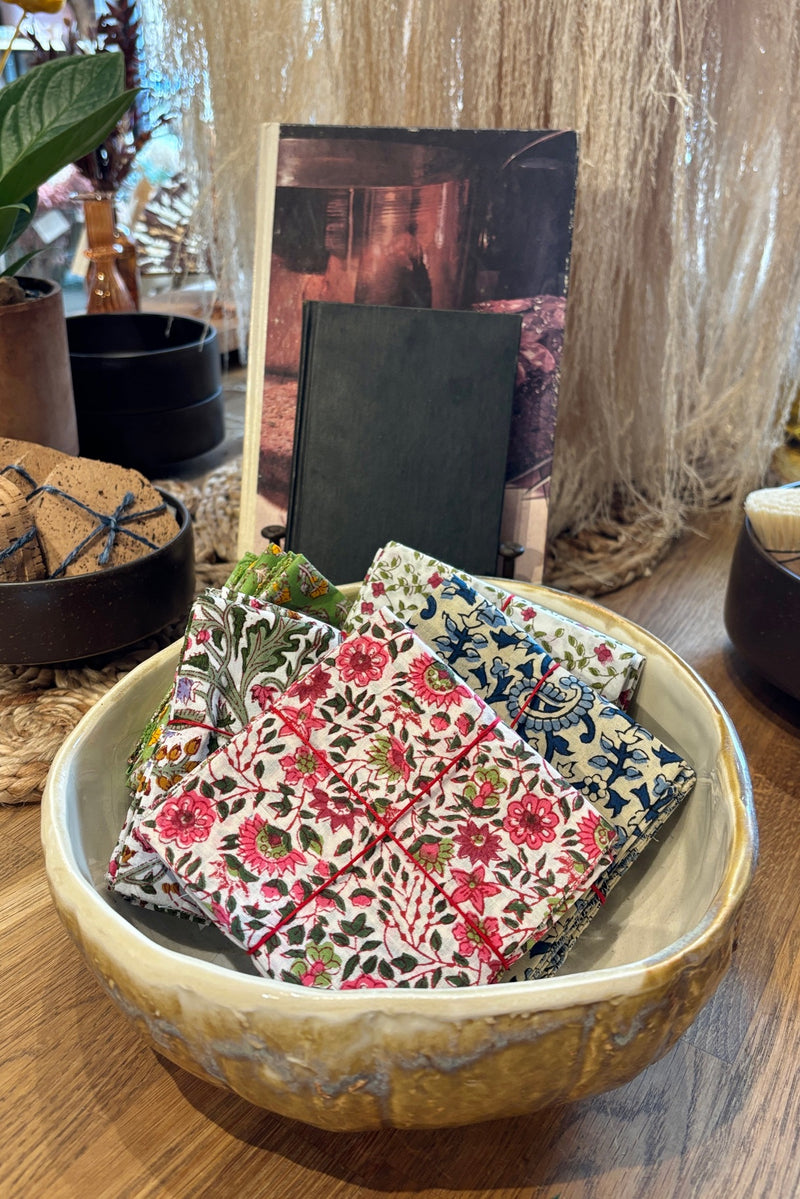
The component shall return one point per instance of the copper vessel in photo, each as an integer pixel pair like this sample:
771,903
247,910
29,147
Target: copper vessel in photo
391,222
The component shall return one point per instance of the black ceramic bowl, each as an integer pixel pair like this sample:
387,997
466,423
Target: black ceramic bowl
157,442
83,616
141,361
762,612
148,388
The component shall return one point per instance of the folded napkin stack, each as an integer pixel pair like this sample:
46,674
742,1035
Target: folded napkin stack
398,576
441,794
387,829
289,579
238,650
633,779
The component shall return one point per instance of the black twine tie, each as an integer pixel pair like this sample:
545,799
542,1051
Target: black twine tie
17,545
111,525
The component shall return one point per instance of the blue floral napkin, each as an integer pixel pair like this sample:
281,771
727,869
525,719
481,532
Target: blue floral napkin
633,779
399,577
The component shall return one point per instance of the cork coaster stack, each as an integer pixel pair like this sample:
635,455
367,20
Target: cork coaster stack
93,515
20,555
62,516
26,464
41,705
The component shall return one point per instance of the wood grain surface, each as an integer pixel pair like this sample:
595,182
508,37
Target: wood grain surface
87,1109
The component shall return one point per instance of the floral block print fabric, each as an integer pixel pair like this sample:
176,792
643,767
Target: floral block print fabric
379,826
233,643
289,579
399,576
238,652
634,779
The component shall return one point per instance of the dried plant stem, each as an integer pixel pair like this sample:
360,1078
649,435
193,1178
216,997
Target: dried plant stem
10,45
685,282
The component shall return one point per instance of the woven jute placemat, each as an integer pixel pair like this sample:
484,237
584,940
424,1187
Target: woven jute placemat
609,555
40,705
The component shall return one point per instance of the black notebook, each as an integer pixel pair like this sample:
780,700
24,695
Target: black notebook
403,419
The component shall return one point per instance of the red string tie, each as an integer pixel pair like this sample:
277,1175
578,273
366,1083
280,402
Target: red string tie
386,826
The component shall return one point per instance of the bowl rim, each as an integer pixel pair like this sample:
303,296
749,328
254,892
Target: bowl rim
221,985
206,336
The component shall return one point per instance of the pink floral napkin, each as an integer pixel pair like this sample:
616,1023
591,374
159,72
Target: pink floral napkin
378,825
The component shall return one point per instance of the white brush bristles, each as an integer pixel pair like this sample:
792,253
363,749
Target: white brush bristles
774,513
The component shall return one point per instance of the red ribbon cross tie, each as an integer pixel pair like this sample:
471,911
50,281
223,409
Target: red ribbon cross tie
386,826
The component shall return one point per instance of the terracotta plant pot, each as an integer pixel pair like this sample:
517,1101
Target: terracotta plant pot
37,401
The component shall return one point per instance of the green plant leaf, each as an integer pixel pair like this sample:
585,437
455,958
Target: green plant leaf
17,266
7,221
59,117
12,93
14,220
24,214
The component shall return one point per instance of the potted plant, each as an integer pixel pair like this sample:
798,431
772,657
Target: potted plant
56,113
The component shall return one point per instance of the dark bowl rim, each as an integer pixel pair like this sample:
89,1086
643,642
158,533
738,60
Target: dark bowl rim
208,337
69,582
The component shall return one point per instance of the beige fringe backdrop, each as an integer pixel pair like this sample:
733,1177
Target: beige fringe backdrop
685,284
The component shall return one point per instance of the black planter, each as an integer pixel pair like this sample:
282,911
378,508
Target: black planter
762,607
148,388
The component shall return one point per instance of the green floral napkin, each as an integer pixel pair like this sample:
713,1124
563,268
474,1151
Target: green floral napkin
289,579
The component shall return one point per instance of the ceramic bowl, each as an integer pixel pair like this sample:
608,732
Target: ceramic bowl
762,612
363,1059
146,361
134,372
83,616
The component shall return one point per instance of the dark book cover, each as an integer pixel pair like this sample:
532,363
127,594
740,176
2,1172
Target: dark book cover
402,434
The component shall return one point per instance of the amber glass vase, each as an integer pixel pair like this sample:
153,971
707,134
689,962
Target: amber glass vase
111,258
128,264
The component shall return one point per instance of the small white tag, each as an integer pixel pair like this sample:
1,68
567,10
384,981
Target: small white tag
80,263
50,225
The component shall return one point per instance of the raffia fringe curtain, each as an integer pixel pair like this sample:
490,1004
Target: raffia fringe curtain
685,281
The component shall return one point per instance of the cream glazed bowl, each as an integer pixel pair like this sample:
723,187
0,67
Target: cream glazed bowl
362,1059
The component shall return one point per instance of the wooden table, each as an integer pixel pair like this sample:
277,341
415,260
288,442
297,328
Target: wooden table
86,1109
